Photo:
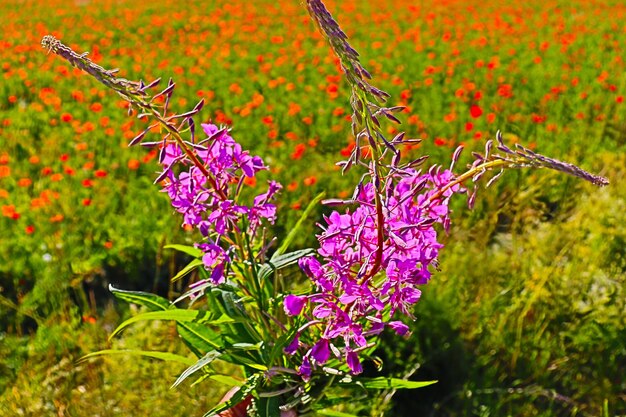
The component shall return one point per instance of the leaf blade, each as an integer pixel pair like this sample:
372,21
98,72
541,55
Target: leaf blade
187,269
178,315
151,301
189,250
165,356
201,363
391,383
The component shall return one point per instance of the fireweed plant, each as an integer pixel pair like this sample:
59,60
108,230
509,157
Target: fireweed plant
364,277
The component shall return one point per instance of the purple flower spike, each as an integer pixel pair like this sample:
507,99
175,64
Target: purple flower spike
294,304
352,305
206,196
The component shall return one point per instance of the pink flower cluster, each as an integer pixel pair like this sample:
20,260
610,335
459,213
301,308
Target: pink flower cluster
209,203
350,303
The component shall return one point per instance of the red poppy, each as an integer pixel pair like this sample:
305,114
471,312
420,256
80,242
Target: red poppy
476,111
133,164
298,151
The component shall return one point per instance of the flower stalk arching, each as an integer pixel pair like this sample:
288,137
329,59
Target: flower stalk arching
514,159
364,119
136,94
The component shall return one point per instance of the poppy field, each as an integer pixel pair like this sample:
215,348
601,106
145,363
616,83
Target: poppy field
526,315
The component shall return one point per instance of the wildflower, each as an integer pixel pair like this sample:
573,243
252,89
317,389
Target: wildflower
294,304
346,301
209,203
298,151
476,111
56,218
133,164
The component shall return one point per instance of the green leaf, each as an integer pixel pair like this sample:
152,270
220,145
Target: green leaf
222,379
290,258
226,380
329,400
246,346
189,250
246,389
296,229
238,332
243,361
151,301
194,316
390,383
199,338
332,413
190,267
268,407
204,361
165,356
281,261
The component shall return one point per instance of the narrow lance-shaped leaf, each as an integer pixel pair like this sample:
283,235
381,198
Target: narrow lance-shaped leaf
189,250
387,383
151,301
194,316
201,363
268,407
282,261
165,356
227,380
187,269
199,338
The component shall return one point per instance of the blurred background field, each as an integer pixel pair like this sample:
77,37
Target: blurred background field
527,316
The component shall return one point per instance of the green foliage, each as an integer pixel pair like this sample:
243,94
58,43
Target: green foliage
122,384
527,322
